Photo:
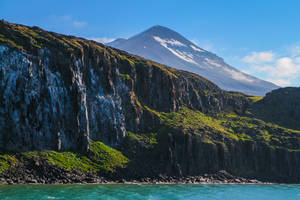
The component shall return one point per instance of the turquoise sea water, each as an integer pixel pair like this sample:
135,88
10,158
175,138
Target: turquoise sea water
151,192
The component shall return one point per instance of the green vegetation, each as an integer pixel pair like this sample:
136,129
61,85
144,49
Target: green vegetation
198,122
129,60
227,126
67,160
189,119
158,114
150,138
107,159
6,162
255,98
258,130
33,38
125,76
170,71
135,99
10,42
100,158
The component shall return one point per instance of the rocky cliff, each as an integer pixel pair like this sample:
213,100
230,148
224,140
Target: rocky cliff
63,96
280,106
58,91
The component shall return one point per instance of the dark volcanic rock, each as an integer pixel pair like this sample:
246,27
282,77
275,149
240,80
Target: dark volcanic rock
280,106
188,155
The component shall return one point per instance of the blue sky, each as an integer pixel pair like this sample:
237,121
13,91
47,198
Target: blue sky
260,37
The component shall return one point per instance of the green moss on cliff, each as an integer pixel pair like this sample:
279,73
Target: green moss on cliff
191,119
260,131
6,162
101,158
168,70
227,126
129,60
67,160
125,76
106,158
9,42
255,98
158,114
135,99
197,122
150,138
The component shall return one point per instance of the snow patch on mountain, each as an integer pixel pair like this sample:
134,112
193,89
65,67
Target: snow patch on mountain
166,41
181,54
196,49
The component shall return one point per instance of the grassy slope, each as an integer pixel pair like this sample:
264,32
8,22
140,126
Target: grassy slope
100,158
230,126
33,39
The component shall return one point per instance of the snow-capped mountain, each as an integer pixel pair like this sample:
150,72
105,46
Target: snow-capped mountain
168,47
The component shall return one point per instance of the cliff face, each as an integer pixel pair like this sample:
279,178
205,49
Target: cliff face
280,106
63,93
191,143
189,155
58,92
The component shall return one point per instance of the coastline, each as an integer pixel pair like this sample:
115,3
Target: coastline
221,177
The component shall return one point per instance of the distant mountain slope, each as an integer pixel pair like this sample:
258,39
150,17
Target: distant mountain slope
166,46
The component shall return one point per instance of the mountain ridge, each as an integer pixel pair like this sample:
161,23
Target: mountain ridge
168,47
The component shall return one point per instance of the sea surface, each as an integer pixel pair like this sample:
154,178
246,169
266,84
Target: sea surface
169,192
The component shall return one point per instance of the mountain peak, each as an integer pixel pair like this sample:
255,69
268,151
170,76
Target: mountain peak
158,28
168,47
163,32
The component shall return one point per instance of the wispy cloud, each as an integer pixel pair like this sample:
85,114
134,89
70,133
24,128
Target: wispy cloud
259,57
102,40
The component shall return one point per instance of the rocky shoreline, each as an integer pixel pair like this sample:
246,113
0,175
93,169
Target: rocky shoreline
221,177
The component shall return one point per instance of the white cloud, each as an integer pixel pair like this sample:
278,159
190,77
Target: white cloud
102,40
285,67
281,70
259,57
280,82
